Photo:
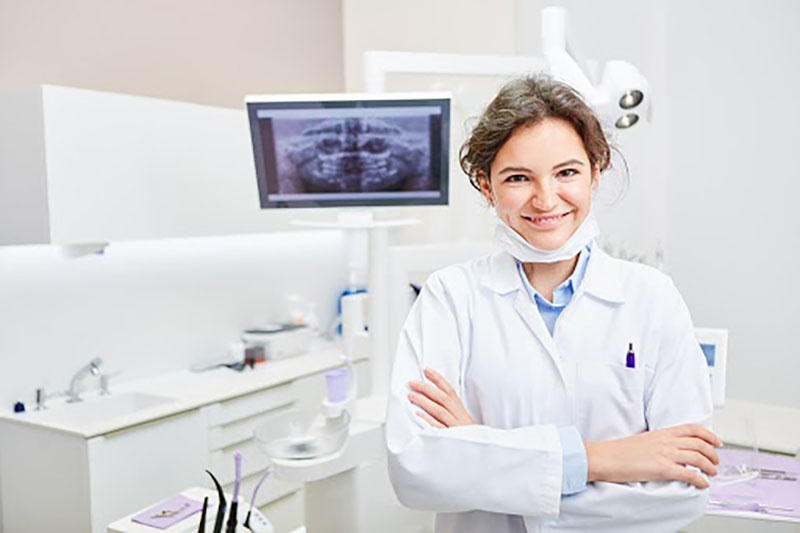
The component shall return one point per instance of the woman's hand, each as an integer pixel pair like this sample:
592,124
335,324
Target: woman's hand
658,454
441,407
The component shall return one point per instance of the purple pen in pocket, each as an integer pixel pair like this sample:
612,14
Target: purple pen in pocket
630,358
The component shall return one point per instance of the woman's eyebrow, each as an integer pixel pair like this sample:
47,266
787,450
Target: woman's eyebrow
515,169
568,162
529,171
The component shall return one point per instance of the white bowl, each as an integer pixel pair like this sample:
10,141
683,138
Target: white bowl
302,434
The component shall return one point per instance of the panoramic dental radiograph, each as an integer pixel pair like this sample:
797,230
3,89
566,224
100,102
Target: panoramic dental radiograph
358,154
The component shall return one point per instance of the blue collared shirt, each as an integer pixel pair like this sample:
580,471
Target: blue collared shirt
574,463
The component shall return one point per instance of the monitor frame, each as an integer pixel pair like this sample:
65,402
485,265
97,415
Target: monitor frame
717,339
255,103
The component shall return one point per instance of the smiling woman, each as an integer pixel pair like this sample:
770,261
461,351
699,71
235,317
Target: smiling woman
540,183
548,387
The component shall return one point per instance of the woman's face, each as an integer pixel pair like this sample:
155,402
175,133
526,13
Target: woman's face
541,183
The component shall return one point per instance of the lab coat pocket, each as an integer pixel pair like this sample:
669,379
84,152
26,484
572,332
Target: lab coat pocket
609,400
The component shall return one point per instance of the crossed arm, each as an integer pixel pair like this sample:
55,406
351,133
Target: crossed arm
661,454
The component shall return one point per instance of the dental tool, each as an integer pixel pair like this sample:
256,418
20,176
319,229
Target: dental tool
202,527
232,516
222,505
267,472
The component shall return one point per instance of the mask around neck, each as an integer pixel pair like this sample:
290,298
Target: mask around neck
512,242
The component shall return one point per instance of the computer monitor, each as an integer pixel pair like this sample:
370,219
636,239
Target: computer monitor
319,150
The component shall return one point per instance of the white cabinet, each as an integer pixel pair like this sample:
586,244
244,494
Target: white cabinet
134,467
87,166
51,480
54,481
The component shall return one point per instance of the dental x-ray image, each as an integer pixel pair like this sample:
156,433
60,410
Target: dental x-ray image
350,151
353,154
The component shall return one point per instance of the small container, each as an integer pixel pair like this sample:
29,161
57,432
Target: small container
337,381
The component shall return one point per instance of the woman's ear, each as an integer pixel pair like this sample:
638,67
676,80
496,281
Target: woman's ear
486,188
595,179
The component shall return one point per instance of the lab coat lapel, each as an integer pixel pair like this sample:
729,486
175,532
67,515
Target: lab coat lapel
502,277
533,319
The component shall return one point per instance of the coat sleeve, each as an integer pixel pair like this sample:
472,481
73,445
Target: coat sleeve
680,393
513,471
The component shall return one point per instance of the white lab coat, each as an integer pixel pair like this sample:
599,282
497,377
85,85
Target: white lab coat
476,325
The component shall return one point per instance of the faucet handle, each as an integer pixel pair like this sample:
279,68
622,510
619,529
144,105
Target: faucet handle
40,398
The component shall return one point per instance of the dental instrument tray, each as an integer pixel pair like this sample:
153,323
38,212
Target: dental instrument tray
303,434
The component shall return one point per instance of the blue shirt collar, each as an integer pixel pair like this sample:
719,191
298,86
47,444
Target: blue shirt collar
563,293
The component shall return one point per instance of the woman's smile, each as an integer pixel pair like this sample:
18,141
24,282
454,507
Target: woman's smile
547,221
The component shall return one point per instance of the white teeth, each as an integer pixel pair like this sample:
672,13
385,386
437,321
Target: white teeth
543,220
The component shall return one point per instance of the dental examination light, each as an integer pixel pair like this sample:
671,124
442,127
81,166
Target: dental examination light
623,96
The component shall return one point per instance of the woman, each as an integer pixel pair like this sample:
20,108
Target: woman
548,387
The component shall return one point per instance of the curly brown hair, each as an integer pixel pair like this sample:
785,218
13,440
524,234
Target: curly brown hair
525,102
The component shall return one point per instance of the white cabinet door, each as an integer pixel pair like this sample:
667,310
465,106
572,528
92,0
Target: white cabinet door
137,466
91,166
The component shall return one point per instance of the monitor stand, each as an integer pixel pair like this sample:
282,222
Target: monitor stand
361,227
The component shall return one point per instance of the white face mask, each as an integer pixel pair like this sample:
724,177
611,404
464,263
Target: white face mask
512,242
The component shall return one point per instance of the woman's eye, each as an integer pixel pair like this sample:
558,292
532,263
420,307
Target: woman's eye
516,178
567,173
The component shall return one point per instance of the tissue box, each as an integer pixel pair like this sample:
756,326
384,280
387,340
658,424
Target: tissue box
279,340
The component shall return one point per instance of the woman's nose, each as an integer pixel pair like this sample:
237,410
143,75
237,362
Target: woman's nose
544,197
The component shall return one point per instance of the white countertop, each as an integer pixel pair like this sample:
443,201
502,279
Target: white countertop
185,390
769,427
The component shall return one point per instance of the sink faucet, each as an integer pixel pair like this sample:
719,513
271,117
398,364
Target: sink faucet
93,368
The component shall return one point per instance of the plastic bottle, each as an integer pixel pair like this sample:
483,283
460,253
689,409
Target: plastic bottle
352,288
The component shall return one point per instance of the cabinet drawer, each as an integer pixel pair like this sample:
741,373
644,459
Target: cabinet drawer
253,461
241,430
250,404
272,489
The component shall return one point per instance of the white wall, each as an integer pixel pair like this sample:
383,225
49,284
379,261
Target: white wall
444,26
150,307
201,51
734,183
